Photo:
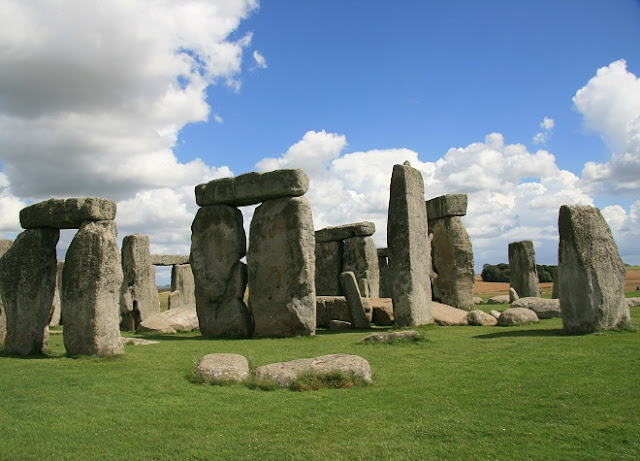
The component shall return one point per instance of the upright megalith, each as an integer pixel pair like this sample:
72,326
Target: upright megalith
409,248
218,243
359,318
523,275
590,273
451,251
56,311
91,283
383,270
5,244
281,261
139,295
183,288
27,284
329,267
361,258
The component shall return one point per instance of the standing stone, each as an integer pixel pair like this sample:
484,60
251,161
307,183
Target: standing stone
183,289
590,273
383,271
139,298
91,283
5,244
281,260
361,258
409,248
56,313
354,300
218,243
27,284
328,267
522,269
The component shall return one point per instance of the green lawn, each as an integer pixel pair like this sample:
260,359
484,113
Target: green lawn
466,393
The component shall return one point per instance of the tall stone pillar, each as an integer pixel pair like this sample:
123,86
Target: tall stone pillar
523,275
383,267
5,244
182,294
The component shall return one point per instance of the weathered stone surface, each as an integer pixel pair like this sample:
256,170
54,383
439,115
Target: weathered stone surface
448,315
513,295
495,313
480,318
335,308
339,325
500,299
281,260
452,257
590,273
328,268
544,308
447,206
67,213
284,373
477,300
517,316
383,270
5,244
337,233
406,335
633,302
171,321
409,248
27,284
523,275
222,367
361,257
55,305
91,283
156,324
382,310
252,188
183,288
354,300
169,260
217,244
139,295
137,342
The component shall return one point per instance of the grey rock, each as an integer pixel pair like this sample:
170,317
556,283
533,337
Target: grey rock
452,258
139,296
495,313
27,284
409,248
55,305
447,206
404,335
335,308
383,270
523,275
91,284
137,342
284,373
337,233
633,302
183,288
480,318
5,244
448,315
281,261
171,321
252,188
169,260
500,299
329,267
361,257
354,301
544,308
339,325
590,273
513,295
477,300
67,213
217,244
156,324
517,316
382,311
222,367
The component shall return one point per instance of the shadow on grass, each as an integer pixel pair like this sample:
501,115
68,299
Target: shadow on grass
37,356
523,333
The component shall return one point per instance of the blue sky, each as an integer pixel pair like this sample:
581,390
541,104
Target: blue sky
522,105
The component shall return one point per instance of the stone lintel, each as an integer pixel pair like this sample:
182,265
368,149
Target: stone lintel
169,260
67,213
446,206
359,229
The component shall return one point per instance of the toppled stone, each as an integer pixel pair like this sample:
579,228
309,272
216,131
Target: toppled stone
477,300
335,308
446,206
590,273
222,367
354,301
517,316
495,313
156,324
544,308
329,267
382,309
137,342
633,302
500,299
67,213
480,318
523,275
448,315
284,373
339,325
252,188
338,233
169,260
513,295
361,257
406,335
183,288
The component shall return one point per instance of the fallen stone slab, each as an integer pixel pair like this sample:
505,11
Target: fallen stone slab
333,233
480,318
477,300
448,315
446,206
330,308
222,367
633,302
138,342
252,188
169,260
156,324
284,373
67,213
339,325
500,299
544,308
171,321
405,335
382,310
517,316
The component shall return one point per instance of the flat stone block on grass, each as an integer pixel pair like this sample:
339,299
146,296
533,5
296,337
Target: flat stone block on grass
480,318
544,308
67,213
406,335
222,367
517,316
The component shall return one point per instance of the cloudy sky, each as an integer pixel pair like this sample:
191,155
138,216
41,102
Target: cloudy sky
524,106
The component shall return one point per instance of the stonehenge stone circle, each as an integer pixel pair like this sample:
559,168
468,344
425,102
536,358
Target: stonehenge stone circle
5,244
91,284
409,248
523,275
590,273
329,267
27,284
345,231
67,213
361,257
354,301
183,294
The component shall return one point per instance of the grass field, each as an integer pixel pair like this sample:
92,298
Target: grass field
526,392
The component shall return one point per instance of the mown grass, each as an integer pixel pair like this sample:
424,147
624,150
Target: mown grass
526,392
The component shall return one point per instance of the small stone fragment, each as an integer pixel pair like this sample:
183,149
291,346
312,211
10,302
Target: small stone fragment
480,318
222,367
517,316
339,325
405,335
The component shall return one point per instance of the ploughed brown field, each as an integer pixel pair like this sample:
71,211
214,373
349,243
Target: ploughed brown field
631,282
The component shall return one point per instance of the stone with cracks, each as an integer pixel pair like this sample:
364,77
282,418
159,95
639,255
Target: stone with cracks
523,275
590,273
252,188
91,284
139,297
329,267
480,318
337,233
281,261
183,288
222,367
447,206
544,308
169,260
517,316
409,248
217,245
361,257
67,213
27,284
354,300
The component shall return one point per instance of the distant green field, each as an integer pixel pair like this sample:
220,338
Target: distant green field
527,392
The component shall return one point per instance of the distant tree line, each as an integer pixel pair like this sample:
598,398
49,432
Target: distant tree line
500,272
